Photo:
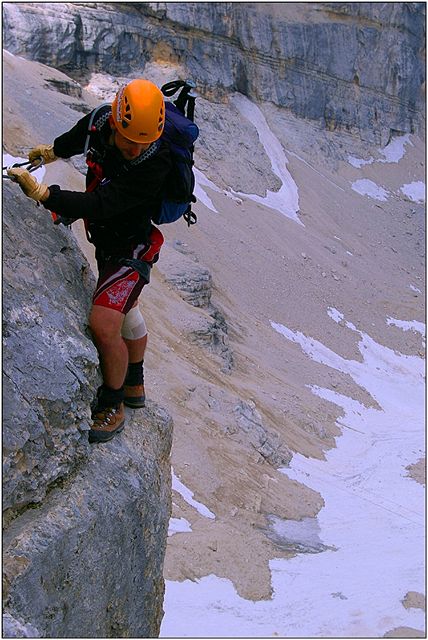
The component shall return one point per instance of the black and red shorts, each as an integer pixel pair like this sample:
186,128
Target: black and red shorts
119,286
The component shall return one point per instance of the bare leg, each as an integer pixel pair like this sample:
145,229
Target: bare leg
105,325
136,348
134,382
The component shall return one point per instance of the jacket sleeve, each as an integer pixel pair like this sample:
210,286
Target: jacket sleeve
135,190
73,141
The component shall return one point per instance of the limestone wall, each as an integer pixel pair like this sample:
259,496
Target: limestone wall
355,66
85,526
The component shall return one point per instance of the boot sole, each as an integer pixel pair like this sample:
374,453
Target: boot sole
104,436
134,403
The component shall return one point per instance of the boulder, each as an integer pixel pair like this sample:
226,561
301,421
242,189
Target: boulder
88,561
193,282
248,422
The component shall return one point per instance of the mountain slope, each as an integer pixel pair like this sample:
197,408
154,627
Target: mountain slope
353,255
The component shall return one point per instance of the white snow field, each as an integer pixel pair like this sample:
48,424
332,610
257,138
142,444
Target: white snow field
372,521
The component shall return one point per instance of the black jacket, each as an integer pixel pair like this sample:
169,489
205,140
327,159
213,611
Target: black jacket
119,210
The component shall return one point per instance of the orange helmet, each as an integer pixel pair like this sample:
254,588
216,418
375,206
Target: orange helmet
138,111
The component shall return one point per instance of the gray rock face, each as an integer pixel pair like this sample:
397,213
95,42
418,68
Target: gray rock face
302,536
358,66
212,334
192,280
49,364
85,526
13,628
88,562
194,284
269,445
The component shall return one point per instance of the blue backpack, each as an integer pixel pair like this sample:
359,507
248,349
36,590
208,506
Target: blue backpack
181,133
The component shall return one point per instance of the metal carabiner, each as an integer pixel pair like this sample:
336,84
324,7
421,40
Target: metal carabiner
30,167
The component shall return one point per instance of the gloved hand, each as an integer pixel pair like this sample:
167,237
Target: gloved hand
44,151
29,184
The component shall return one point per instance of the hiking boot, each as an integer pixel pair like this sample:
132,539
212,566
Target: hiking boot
107,423
135,396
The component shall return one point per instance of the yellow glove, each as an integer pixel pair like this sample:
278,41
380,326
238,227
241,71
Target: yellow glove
44,151
29,184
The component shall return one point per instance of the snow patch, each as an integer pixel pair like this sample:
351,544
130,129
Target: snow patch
359,162
408,325
374,513
335,314
201,183
208,607
415,191
177,485
395,150
286,200
369,188
178,525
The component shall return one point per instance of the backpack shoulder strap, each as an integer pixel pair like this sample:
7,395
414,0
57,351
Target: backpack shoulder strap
186,98
181,133
95,123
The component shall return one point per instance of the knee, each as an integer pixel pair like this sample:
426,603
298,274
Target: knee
104,329
101,334
134,327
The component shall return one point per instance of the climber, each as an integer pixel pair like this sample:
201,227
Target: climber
128,166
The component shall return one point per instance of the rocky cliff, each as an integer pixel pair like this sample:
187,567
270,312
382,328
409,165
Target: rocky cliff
76,517
355,66
242,398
